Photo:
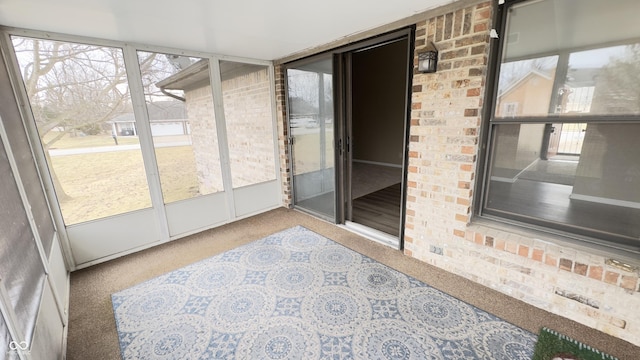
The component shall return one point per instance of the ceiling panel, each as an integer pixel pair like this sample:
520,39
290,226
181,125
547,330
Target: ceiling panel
258,29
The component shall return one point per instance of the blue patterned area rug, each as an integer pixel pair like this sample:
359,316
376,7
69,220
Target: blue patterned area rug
299,295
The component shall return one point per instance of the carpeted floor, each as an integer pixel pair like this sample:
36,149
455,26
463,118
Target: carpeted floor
298,295
92,330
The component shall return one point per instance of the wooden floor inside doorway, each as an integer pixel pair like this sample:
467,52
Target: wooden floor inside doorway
380,210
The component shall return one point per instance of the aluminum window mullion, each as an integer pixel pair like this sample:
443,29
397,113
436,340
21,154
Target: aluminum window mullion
221,133
38,151
141,116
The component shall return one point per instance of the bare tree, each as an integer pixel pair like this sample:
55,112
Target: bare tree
617,86
73,88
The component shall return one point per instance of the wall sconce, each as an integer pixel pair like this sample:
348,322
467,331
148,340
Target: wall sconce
428,59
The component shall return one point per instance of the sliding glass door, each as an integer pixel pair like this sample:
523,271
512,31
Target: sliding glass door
311,136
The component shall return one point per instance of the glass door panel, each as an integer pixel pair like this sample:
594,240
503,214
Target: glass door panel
80,100
311,127
180,107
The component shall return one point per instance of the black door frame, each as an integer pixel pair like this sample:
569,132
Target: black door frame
342,89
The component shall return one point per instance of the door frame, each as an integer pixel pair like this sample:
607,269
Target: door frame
342,89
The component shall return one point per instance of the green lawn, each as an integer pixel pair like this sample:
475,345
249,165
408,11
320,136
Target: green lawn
72,142
110,183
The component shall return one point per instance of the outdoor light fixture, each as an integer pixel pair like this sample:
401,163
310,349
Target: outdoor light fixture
428,59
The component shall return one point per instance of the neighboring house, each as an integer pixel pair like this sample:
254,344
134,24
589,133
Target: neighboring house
165,118
530,95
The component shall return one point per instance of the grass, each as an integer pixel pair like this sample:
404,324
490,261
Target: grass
110,183
72,142
114,182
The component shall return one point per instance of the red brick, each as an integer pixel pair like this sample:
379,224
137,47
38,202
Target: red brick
482,14
611,277
580,269
480,27
468,150
416,106
478,239
408,252
463,201
464,185
595,272
458,233
473,92
523,250
551,260
566,264
537,254
629,282
461,217
500,244
466,167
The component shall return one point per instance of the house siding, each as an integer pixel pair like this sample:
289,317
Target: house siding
443,161
446,118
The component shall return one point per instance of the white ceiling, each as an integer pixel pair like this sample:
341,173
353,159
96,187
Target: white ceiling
261,29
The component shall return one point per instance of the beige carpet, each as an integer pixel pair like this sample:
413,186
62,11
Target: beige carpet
92,331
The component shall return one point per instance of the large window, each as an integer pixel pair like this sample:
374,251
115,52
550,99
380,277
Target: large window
565,126
80,99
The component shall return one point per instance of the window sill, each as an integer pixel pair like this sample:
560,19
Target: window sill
583,244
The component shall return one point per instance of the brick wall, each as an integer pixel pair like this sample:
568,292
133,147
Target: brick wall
445,124
204,138
283,134
247,109
248,116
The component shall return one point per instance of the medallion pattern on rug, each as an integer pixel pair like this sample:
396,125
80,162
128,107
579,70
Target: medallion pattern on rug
298,295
